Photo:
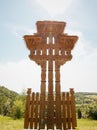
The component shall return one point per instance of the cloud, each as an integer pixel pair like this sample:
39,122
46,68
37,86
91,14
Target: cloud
80,73
21,75
55,7
20,30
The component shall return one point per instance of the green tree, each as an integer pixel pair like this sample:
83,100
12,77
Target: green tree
79,113
93,113
18,108
7,98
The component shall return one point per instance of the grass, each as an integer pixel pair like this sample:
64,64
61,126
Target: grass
87,124
7,123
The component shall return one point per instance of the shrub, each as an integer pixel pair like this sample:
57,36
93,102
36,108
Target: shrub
93,113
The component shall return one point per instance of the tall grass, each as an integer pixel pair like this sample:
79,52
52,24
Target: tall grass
7,123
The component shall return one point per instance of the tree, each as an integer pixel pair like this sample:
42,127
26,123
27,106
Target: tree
93,113
79,113
18,108
7,98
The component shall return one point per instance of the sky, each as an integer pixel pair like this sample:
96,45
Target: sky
18,18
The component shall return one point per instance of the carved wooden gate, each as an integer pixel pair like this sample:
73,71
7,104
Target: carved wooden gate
50,48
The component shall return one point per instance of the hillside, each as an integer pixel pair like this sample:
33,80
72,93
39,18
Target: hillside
7,93
86,104
7,97
86,98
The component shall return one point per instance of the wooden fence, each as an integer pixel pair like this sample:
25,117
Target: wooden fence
61,116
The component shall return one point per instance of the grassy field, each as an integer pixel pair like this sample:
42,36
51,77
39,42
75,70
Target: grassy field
7,123
86,124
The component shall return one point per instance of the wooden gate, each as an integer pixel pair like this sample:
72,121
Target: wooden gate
50,48
64,114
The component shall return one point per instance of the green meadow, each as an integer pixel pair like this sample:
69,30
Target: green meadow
7,123
87,124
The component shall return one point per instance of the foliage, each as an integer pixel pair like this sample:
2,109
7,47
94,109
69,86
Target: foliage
79,114
18,108
7,98
93,113
11,103
84,102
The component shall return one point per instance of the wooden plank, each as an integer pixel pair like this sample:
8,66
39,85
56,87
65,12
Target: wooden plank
32,110
27,110
64,110
42,111
42,95
50,106
68,111
50,112
58,111
36,112
73,109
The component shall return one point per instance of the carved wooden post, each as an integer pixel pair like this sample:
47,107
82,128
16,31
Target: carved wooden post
42,96
27,112
58,96
50,106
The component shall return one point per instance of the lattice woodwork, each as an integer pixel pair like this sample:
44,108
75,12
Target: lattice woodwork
50,48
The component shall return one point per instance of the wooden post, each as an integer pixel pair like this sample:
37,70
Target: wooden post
73,110
50,106
27,111
68,110
32,110
42,95
36,111
58,97
64,110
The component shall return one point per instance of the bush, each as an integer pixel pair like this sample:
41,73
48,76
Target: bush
18,113
79,114
93,113
18,109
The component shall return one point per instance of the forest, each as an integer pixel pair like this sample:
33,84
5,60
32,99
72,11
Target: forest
12,104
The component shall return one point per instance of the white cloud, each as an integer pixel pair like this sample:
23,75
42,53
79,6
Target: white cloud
80,73
21,75
55,7
20,30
